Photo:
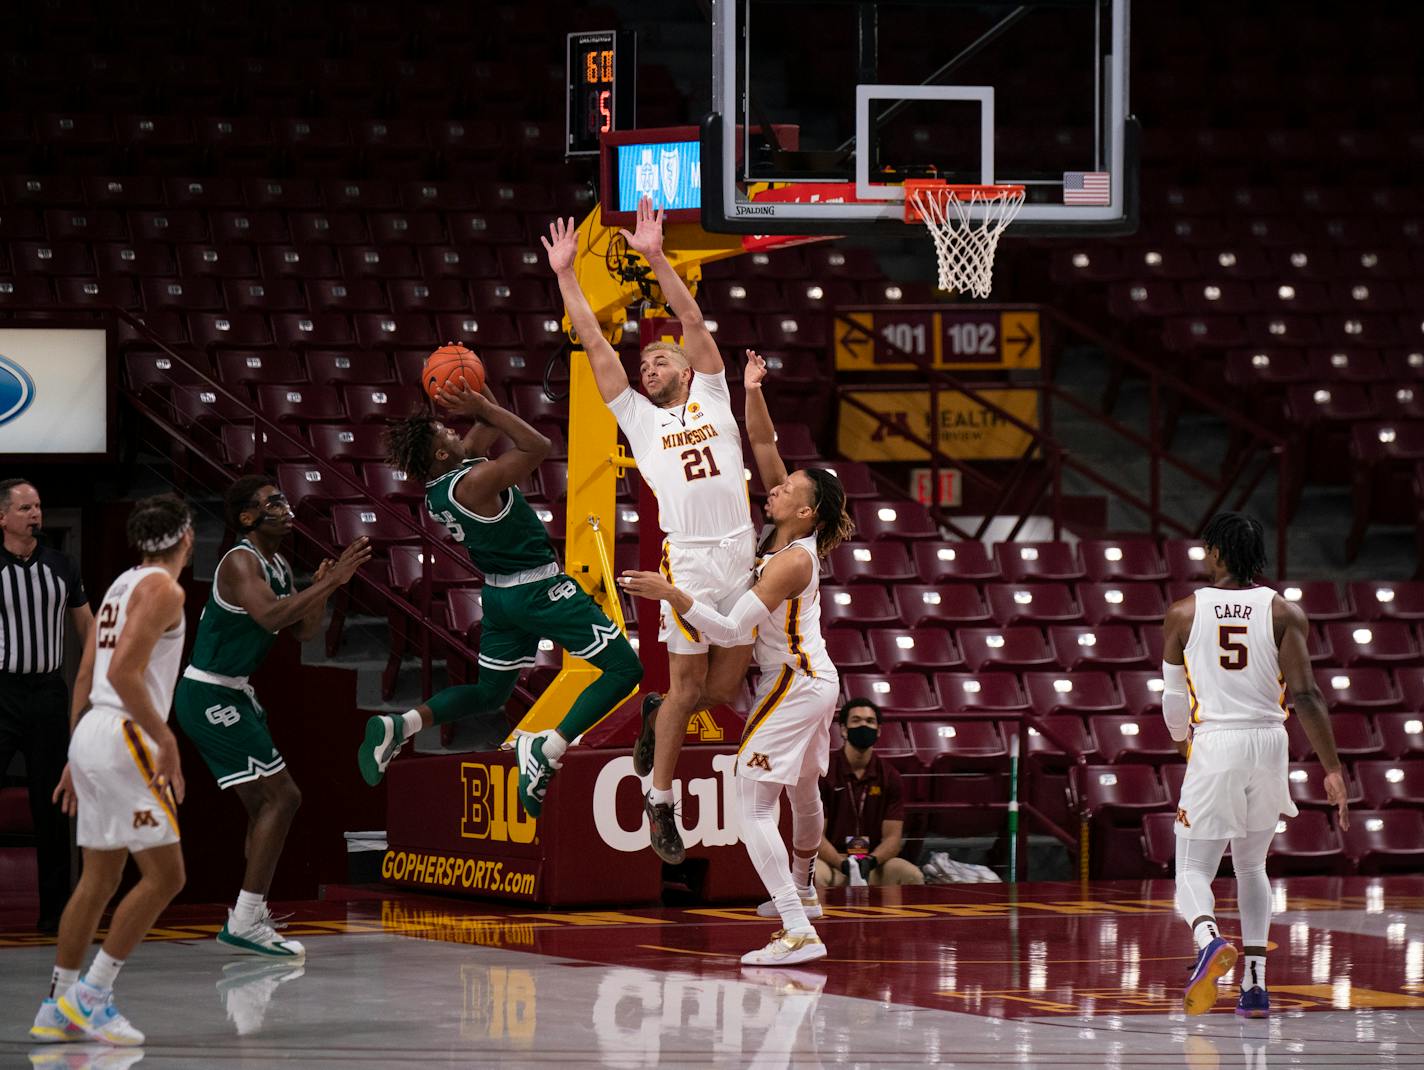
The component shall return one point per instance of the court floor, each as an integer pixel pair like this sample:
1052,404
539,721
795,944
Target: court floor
1045,975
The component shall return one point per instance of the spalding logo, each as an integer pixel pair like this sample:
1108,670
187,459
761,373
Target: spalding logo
17,390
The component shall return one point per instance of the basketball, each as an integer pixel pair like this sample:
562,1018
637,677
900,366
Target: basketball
452,363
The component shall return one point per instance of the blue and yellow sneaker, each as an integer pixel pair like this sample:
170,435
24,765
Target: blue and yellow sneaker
1214,960
1255,1002
93,1011
51,1027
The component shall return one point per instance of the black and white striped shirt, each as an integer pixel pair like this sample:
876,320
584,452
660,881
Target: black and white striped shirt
36,595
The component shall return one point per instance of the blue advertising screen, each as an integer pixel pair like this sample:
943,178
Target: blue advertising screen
668,172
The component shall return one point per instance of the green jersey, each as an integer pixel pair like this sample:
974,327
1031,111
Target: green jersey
514,540
229,642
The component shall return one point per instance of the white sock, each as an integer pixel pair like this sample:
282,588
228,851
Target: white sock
554,747
102,971
60,980
248,909
1204,932
660,796
409,723
1253,972
793,914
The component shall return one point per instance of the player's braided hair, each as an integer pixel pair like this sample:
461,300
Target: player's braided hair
410,445
157,524
833,523
238,499
1241,542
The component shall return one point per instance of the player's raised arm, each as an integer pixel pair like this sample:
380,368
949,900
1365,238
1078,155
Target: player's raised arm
1309,702
702,351
479,486
562,247
784,576
760,430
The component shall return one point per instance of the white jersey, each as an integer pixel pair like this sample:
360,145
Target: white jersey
792,637
691,457
161,674
1233,664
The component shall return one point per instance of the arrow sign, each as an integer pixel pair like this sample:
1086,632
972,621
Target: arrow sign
1022,339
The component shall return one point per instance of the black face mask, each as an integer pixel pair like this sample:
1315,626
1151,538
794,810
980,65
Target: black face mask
862,736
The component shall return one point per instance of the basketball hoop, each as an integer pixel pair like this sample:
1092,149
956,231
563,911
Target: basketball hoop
965,245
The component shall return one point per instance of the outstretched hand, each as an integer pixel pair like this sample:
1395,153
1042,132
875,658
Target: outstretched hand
352,558
462,400
755,370
646,585
561,244
648,237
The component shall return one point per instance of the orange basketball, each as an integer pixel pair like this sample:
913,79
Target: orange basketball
452,363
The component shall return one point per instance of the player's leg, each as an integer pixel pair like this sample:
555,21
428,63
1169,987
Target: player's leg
686,675
757,808
808,823
1253,901
726,673
98,882
271,803
90,1002
506,650
1197,861
564,613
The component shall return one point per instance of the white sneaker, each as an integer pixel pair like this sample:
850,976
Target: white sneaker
261,938
812,906
247,989
51,1027
786,949
93,1011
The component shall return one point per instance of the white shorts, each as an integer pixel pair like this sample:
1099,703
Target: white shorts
1236,783
788,735
111,762
717,573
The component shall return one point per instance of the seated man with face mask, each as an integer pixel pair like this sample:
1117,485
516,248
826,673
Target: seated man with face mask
865,814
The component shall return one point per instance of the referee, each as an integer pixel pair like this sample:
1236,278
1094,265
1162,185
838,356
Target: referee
40,589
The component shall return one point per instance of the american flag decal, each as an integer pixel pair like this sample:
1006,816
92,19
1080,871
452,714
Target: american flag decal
1085,187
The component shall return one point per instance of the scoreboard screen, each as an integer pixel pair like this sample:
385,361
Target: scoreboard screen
601,86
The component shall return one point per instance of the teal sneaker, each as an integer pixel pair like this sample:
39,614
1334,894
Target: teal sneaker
382,743
535,772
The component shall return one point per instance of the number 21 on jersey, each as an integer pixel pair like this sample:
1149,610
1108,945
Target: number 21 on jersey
698,464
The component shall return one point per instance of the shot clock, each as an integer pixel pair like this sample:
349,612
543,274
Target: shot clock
602,89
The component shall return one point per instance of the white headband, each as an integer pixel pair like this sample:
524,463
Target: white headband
166,542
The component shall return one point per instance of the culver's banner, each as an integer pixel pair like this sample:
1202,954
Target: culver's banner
54,390
455,825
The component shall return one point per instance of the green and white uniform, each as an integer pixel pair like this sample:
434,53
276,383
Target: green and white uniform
214,702
527,596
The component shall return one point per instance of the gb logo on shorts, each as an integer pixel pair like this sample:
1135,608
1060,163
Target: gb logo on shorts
224,716
560,591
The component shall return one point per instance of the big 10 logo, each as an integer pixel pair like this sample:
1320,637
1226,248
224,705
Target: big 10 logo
492,808
716,806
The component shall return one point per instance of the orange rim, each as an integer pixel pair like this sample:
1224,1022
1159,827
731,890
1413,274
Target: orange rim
946,191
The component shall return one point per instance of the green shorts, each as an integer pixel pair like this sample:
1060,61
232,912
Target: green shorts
558,609
229,729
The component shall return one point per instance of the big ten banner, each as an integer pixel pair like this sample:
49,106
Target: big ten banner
982,339
966,429
455,825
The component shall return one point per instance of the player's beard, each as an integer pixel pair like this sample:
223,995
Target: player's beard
667,395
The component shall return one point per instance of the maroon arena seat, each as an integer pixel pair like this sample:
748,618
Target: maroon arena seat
949,605
1109,646
945,562
861,606
1122,560
1033,603
1003,648
1037,561
980,691
1121,603
1401,734
1132,739
1393,783
894,693
1385,643
1385,841
875,562
910,649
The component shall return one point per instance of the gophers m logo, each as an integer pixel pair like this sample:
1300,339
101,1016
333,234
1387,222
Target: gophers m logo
1182,818
144,819
759,761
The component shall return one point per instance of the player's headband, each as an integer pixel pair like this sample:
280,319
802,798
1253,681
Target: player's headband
166,542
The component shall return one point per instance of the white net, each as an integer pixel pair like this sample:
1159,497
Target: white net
965,245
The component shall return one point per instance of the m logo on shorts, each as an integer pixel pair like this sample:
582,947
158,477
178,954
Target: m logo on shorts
144,819
567,589
1182,818
759,761
224,716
